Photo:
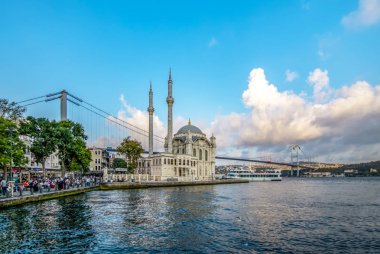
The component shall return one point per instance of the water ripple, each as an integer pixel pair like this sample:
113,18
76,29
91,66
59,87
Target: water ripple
296,215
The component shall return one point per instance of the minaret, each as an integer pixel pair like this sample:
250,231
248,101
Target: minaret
170,102
150,111
189,141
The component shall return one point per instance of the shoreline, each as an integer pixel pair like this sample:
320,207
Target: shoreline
19,200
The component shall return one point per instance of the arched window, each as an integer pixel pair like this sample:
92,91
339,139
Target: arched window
194,152
200,154
206,155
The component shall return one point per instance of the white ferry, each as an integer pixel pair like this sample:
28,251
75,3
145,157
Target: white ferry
252,175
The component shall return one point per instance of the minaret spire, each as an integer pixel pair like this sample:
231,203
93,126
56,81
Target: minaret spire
150,111
170,102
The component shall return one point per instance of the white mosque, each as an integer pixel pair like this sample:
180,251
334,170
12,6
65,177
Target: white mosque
189,155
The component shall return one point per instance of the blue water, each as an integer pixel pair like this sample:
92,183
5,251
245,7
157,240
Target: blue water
330,215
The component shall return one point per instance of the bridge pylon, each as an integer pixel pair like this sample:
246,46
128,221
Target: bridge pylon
294,157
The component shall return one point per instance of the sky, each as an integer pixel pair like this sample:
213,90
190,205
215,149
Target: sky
259,75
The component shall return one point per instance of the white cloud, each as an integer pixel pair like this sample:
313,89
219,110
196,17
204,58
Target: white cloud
327,43
320,81
367,14
213,42
344,128
140,119
290,75
341,127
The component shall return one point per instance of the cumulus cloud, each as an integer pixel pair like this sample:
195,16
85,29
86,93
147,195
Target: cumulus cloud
367,14
213,42
342,128
320,81
339,125
139,120
290,75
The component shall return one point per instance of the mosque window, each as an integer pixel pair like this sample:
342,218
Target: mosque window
194,152
206,155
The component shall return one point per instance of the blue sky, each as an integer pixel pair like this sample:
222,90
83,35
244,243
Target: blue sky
99,50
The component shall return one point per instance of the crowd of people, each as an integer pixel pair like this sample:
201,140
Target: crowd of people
40,185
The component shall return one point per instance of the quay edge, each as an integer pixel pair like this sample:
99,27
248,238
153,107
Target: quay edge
140,185
18,200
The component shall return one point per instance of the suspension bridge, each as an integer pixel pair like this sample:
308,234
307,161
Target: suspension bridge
108,130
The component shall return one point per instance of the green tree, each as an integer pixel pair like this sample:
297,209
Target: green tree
132,149
12,149
10,110
119,163
44,137
71,147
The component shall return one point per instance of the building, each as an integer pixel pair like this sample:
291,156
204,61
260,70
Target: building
97,159
51,163
189,155
103,158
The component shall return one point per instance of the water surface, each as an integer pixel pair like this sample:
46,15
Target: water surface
296,215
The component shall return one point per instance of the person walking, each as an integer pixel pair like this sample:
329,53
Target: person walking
3,186
31,187
19,188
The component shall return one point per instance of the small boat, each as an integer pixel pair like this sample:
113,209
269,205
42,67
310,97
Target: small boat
253,176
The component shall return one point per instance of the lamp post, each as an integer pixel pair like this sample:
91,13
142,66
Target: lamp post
10,130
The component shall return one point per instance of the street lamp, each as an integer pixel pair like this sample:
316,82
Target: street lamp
10,130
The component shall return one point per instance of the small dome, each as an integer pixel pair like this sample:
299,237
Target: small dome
192,128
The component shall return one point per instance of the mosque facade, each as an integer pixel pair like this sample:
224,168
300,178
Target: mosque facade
189,155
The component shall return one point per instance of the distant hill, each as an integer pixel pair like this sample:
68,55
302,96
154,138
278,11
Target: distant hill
362,168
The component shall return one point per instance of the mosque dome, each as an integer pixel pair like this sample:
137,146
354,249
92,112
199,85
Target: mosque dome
192,128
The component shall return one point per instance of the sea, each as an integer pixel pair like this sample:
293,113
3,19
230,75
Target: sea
296,215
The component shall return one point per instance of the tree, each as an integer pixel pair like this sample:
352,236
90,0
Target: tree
12,149
82,160
44,137
71,147
119,163
10,110
132,149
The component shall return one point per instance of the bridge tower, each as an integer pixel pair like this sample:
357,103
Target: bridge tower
294,157
63,105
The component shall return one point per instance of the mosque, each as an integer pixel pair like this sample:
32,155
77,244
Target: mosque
189,155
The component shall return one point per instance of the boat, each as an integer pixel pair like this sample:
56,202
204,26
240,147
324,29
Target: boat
253,175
